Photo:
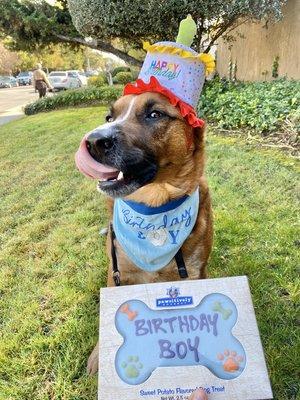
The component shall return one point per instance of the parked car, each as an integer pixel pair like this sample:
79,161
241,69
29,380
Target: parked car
62,80
91,72
25,78
8,82
81,76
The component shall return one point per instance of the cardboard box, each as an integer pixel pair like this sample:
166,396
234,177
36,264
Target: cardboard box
161,341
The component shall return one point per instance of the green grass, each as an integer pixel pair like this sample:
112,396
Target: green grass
53,263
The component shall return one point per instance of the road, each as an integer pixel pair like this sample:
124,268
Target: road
17,96
12,100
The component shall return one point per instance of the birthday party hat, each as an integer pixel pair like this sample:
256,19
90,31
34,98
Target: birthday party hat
176,71
172,69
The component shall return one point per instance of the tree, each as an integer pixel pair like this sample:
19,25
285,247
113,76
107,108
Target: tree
155,20
8,60
33,25
115,26
93,59
61,57
53,57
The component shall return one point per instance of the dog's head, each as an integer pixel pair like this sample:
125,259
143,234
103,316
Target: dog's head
145,141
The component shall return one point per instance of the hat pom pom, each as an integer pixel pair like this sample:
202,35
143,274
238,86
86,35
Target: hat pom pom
187,31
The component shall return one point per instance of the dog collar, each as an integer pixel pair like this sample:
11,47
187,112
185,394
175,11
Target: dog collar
152,236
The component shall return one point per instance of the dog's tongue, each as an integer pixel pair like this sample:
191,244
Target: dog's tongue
90,167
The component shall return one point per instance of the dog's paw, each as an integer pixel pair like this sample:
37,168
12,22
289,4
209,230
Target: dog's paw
92,364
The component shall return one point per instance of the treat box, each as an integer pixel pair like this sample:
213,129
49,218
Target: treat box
161,341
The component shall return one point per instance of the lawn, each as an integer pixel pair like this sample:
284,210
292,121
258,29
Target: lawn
53,263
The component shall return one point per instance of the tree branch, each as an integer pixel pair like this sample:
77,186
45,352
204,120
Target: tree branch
102,46
219,33
222,30
238,23
200,32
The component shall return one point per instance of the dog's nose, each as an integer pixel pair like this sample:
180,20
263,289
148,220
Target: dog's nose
100,141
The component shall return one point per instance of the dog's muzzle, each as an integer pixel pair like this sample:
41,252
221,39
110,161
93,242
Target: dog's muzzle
120,168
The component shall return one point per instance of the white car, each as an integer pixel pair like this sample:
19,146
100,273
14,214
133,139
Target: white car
62,80
81,76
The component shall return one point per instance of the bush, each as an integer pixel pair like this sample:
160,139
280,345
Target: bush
119,69
84,96
135,73
262,106
123,77
98,81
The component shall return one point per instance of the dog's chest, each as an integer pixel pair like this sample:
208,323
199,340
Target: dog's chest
130,274
152,236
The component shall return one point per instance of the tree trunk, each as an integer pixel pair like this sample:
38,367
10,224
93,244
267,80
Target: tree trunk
110,79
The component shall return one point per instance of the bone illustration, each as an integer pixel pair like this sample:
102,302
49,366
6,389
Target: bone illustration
193,336
125,309
219,308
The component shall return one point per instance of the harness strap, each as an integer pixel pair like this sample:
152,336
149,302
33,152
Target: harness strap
116,272
182,271
181,264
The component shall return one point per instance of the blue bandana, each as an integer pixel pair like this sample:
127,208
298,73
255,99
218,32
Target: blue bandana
151,236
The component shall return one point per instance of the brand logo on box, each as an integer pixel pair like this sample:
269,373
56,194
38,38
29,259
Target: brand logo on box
174,300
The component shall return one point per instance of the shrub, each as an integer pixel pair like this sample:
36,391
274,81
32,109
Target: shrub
98,81
83,96
120,69
123,77
135,73
262,106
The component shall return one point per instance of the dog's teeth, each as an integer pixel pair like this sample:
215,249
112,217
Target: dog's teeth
120,176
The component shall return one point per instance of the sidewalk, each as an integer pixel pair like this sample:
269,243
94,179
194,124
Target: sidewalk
11,115
12,101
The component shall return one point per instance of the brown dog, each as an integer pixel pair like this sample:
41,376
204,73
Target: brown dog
157,158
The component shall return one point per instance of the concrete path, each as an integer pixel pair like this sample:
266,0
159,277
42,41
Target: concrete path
11,115
13,100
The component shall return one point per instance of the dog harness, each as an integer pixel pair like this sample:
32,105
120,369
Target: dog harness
152,236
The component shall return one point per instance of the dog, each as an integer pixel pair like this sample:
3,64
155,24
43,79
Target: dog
152,157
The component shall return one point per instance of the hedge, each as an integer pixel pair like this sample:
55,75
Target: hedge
261,106
123,77
84,96
98,81
120,69
135,73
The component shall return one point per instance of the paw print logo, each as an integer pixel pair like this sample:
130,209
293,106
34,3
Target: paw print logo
132,367
231,361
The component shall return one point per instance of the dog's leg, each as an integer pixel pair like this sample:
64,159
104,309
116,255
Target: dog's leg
203,268
203,272
92,364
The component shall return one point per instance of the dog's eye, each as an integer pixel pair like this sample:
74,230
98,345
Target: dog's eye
155,114
109,118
